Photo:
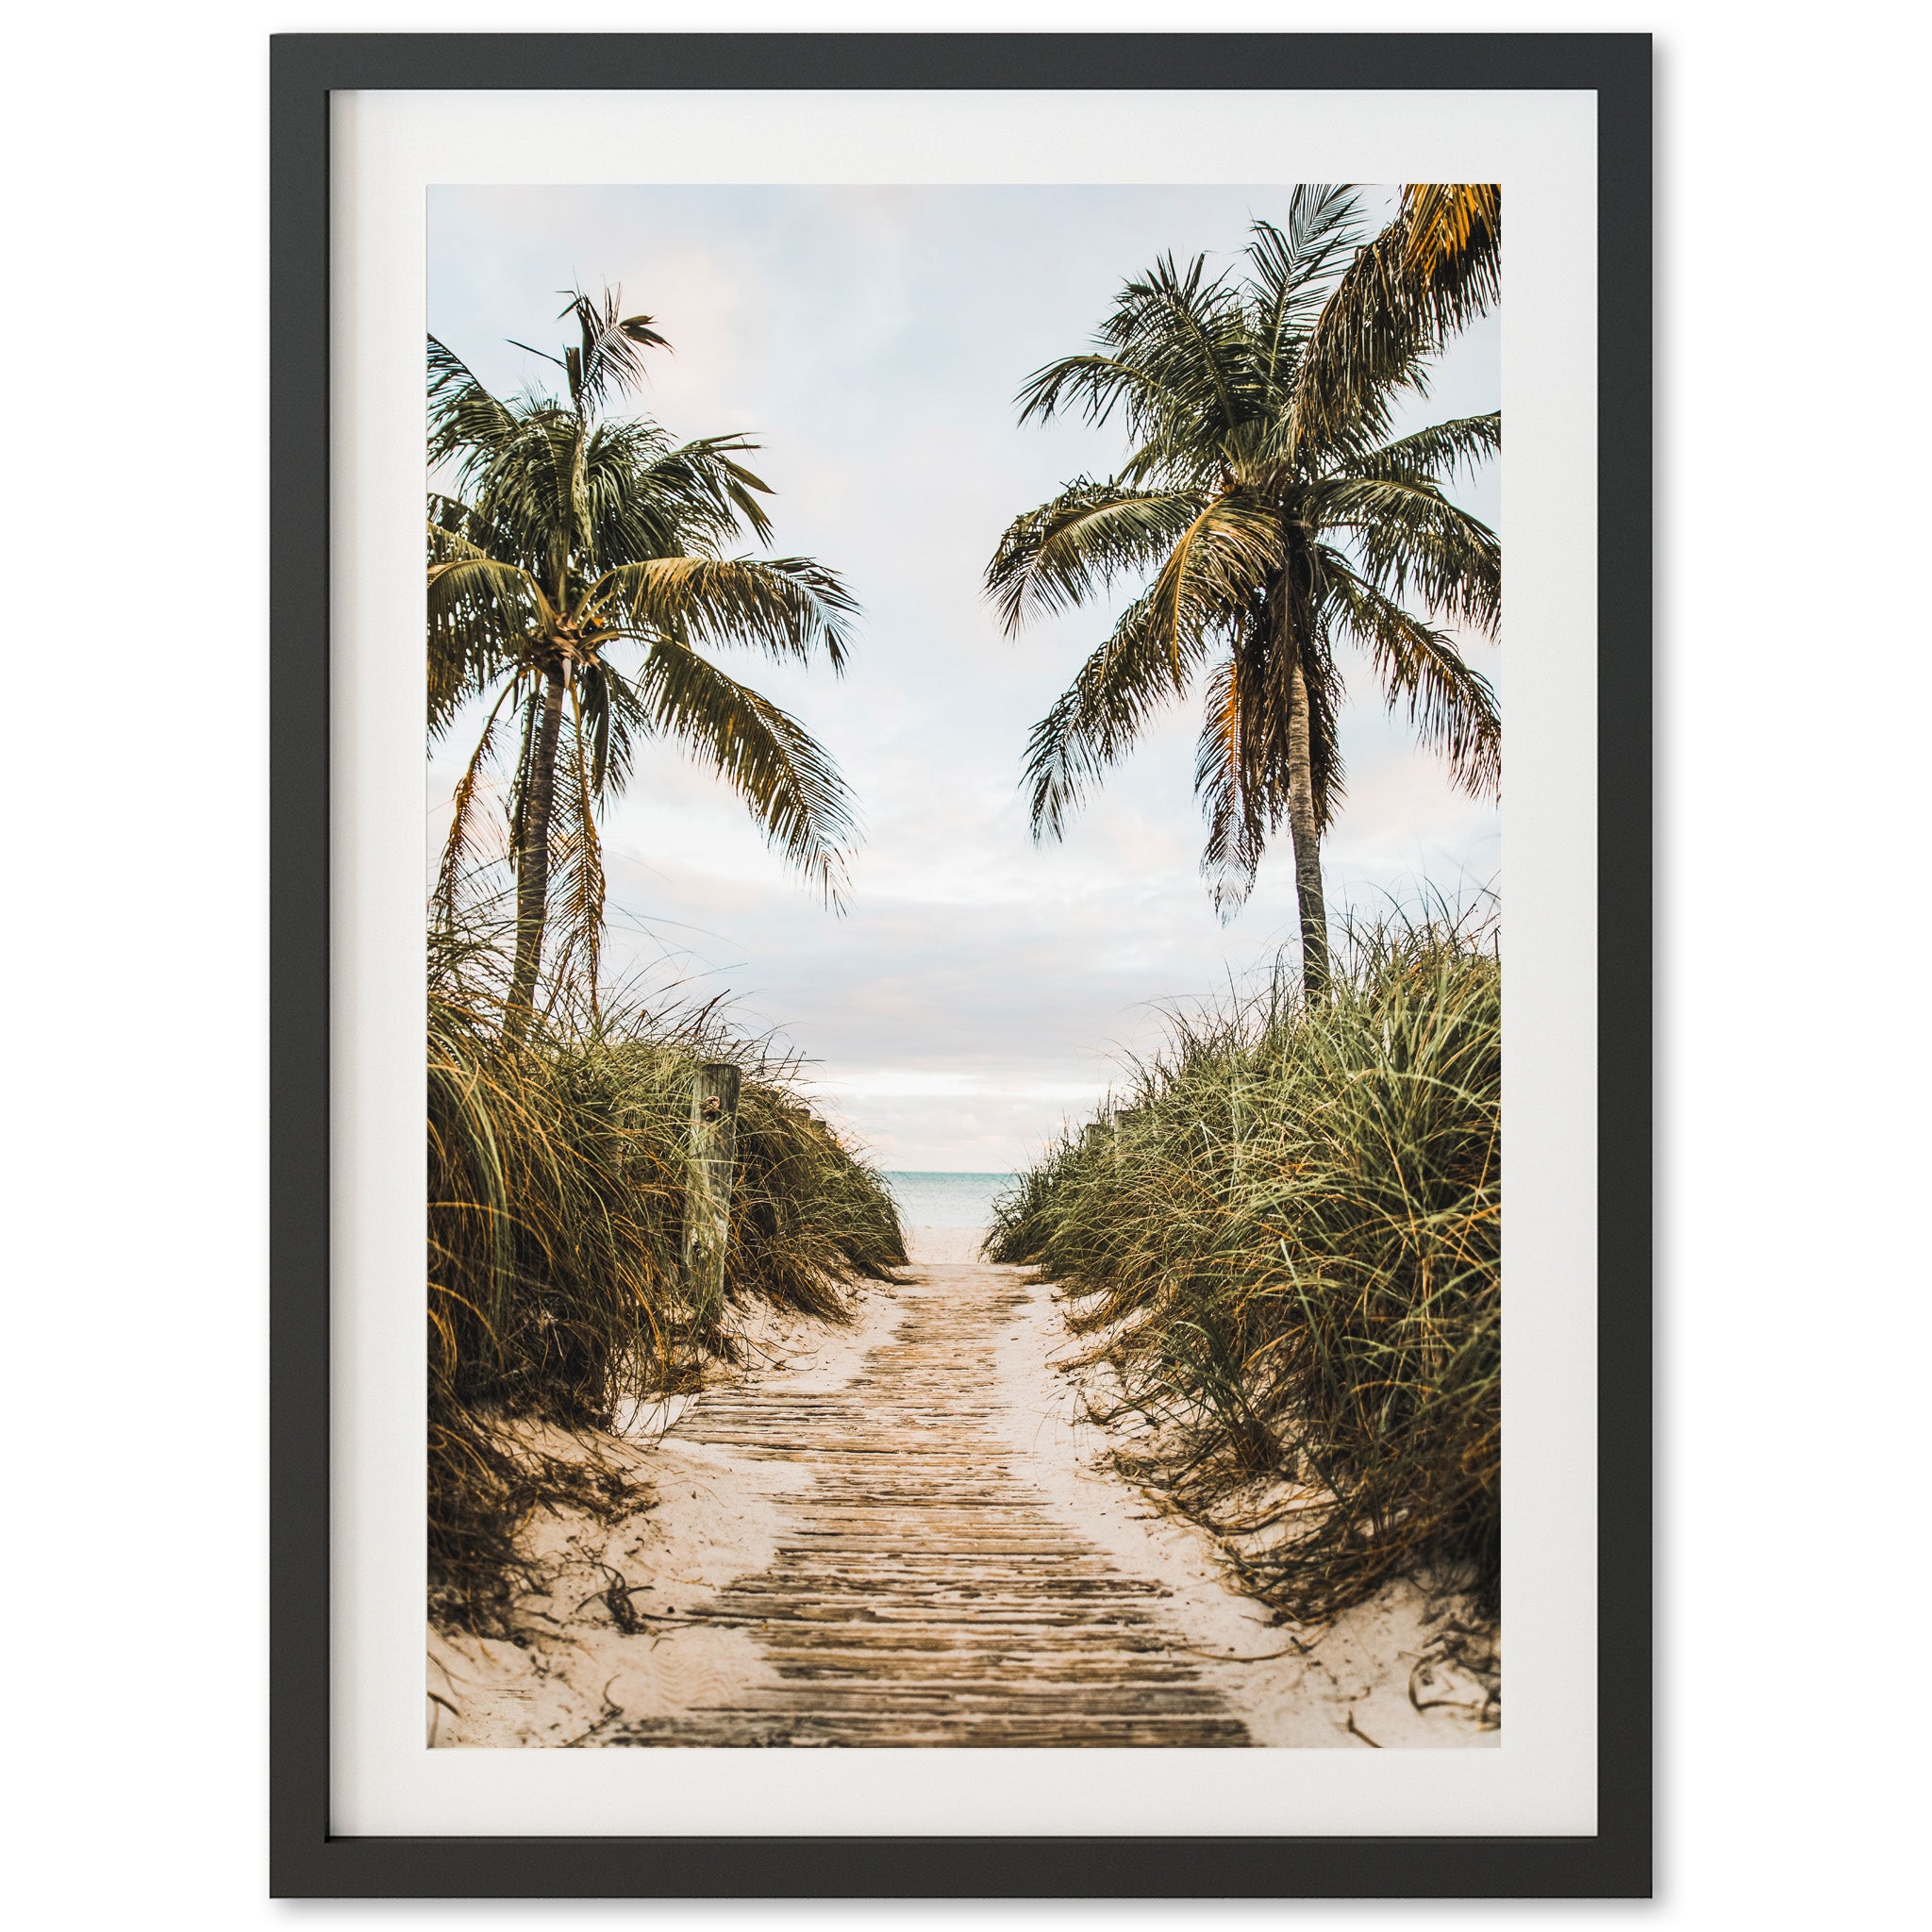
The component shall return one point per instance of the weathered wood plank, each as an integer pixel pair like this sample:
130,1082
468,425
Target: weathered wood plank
924,1593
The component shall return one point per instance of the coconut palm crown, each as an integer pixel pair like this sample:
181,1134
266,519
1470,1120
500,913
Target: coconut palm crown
573,535
1266,521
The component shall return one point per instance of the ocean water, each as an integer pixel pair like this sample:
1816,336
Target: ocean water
946,1200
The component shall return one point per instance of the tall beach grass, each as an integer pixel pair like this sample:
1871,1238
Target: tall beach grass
1285,1238
557,1174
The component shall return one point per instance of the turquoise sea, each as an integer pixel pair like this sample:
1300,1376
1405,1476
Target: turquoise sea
946,1200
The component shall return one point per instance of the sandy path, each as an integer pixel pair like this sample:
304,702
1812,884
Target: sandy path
904,1538
924,1591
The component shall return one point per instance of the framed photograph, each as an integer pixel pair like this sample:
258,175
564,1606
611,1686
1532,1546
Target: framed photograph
930,968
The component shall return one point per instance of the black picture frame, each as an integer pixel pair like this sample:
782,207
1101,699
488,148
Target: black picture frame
307,1859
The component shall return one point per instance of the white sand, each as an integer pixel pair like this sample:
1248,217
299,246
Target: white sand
719,1516
1355,1674
928,1246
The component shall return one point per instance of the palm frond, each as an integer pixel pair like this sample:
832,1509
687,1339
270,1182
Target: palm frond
787,781
1450,705
1240,815
482,614
1411,538
1244,772
1069,549
527,488
1293,269
1204,590
608,356
1432,455
787,606
1398,302
649,498
1453,246
1095,722
1187,332
1168,356
453,519
459,846
1096,384
464,415
1209,583
458,568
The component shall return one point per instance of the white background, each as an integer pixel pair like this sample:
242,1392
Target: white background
1790,1326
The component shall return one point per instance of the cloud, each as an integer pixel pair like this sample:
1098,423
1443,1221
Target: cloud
982,987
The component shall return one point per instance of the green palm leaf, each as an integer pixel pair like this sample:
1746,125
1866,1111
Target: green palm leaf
787,606
792,790
1291,270
1451,706
1069,549
464,415
1096,721
1433,455
1411,538
481,612
1430,273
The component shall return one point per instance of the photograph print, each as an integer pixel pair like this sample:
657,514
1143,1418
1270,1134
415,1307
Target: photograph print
964,954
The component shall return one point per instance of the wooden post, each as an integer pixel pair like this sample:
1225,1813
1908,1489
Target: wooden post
1122,1121
707,1191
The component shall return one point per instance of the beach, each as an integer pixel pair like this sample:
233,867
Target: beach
819,1567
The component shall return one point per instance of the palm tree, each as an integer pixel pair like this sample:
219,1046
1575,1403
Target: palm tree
571,533
1271,531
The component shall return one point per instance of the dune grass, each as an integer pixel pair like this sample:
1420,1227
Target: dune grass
556,1183
1285,1237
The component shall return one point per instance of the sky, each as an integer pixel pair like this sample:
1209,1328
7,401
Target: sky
981,990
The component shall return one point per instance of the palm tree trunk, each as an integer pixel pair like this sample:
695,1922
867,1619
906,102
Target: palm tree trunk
1307,837
533,864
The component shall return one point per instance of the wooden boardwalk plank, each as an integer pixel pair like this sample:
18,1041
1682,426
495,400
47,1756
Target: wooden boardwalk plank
924,1593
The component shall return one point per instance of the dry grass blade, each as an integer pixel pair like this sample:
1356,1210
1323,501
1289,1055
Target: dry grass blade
1289,1246
557,1166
